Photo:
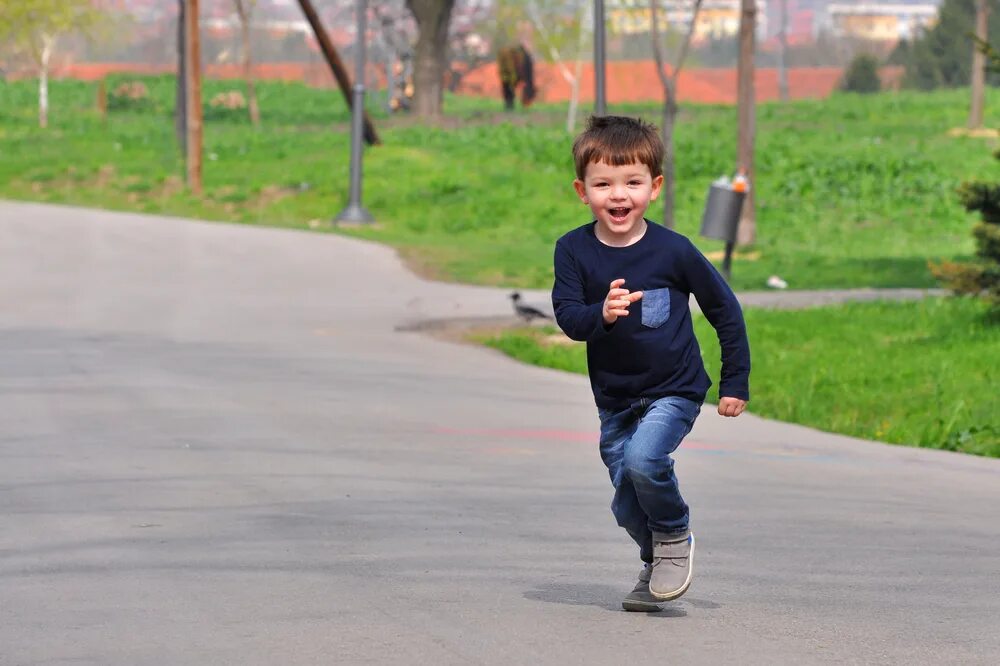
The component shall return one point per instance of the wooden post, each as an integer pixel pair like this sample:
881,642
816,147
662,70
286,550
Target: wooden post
745,99
337,66
192,73
979,66
102,99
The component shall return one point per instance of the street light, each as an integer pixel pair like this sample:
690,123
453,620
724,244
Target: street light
600,101
355,213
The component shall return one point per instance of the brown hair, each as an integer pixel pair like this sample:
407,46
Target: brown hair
617,141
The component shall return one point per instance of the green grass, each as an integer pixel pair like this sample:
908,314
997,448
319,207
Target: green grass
921,374
852,191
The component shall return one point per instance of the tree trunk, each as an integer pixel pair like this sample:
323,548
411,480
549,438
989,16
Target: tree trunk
669,159
43,81
747,232
783,52
433,18
192,57
245,12
979,66
669,84
574,97
337,67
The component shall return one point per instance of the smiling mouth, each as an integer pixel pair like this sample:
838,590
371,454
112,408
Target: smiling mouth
619,214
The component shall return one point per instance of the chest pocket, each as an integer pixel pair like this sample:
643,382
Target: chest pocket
655,307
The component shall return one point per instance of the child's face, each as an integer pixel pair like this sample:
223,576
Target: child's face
618,197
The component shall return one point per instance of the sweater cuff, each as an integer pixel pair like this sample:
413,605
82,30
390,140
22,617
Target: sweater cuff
734,391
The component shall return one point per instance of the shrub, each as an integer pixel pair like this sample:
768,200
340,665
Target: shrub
229,105
130,96
862,75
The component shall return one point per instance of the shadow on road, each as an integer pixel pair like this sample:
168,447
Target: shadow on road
602,596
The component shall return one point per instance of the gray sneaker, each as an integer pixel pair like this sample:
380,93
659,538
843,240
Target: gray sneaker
673,559
640,600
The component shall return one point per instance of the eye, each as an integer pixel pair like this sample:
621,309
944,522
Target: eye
635,182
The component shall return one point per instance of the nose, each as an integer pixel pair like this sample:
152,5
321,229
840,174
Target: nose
618,192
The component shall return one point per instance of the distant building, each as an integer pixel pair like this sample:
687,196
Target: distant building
717,19
881,22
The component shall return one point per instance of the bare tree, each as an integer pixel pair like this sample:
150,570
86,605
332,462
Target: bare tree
34,27
783,51
746,102
669,83
552,42
979,65
244,9
433,18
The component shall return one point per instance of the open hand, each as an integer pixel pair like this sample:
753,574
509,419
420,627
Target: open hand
617,301
731,406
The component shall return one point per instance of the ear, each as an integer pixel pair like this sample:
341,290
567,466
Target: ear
657,186
581,191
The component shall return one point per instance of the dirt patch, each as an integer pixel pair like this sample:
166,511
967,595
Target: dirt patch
980,133
466,329
719,255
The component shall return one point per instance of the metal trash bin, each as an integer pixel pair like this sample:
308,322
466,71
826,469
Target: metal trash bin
721,218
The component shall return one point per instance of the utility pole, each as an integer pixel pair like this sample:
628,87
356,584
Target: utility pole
745,100
192,83
979,65
600,96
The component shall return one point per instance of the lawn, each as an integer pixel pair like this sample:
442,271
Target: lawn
853,191
921,374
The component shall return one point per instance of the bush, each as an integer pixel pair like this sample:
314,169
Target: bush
130,96
862,75
228,105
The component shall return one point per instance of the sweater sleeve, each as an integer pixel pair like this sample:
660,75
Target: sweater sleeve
719,305
577,319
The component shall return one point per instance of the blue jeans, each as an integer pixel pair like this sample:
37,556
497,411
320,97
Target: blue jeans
636,444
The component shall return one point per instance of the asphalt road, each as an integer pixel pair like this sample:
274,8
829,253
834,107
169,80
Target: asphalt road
217,447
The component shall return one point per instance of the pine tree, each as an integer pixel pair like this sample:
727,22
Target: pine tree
862,75
980,277
942,56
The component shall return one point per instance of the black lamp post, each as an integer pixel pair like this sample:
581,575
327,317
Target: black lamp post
355,213
600,100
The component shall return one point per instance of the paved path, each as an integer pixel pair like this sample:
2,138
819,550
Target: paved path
216,447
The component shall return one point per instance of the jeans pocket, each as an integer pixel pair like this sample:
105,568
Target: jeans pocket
655,307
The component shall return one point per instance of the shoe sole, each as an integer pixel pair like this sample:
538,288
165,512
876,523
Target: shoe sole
670,596
641,606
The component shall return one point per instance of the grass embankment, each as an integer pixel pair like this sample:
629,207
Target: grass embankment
922,374
852,191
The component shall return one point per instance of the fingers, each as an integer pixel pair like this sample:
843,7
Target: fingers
618,299
731,407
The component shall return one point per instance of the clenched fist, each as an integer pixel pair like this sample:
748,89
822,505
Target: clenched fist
731,406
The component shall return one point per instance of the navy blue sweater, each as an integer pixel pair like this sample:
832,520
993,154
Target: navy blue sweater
651,353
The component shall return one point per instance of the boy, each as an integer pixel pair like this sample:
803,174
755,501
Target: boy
622,284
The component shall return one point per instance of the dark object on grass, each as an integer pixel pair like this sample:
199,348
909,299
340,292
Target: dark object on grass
516,67
526,312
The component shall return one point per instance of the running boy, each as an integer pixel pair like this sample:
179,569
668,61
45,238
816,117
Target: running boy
622,284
